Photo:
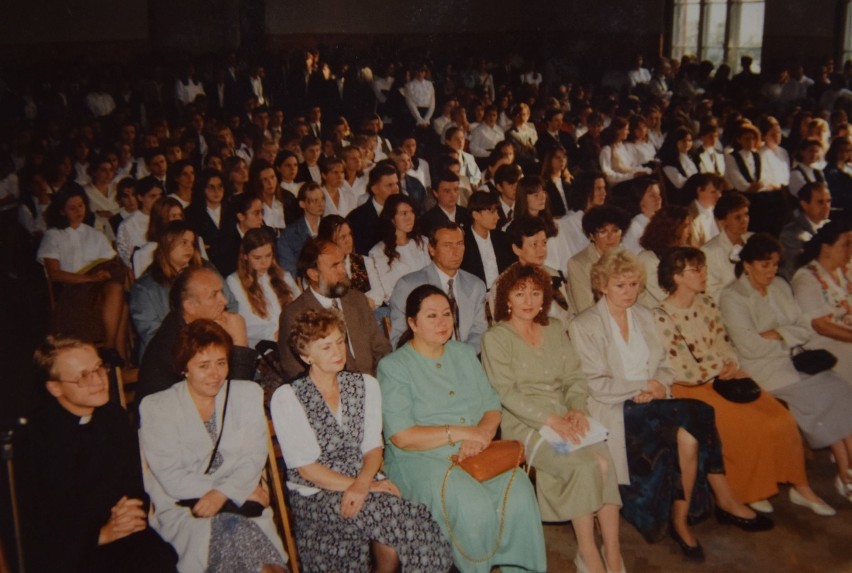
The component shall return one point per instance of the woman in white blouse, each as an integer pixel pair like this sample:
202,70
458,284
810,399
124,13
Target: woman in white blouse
260,286
639,143
617,164
102,194
73,254
678,166
402,251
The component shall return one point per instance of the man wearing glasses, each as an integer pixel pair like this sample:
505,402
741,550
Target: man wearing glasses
86,509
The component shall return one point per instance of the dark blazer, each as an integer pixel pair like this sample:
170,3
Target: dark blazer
557,203
303,175
412,187
72,476
435,216
156,372
366,230
472,261
367,342
546,142
290,244
214,237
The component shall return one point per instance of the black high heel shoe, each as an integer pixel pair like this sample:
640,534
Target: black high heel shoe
757,523
691,552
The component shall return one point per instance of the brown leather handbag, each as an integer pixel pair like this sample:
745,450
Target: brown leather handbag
498,457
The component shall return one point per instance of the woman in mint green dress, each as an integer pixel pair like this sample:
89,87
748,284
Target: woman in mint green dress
436,402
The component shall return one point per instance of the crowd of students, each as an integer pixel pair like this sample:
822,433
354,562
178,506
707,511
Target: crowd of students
613,254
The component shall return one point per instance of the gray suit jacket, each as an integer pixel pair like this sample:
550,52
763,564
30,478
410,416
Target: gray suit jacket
364,337
470,296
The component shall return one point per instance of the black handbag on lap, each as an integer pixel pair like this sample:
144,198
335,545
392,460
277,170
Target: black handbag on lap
739,390
813,361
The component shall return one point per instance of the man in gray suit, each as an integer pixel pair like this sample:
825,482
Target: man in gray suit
446,246
321,267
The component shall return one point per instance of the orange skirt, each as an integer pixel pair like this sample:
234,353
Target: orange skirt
761,444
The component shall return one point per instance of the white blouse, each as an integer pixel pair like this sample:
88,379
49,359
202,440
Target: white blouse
299,441
74,248
634,351
384,276
257,327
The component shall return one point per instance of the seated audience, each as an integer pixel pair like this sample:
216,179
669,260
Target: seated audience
133,230
668,228
814,210
533,367
91,304
557,180
587,191
838,174
677,164
205,478
212,217
334,228
330,424
641,200
85,509
604,227
430,413
823,290
465,291
707,190
765,324
364,220
487,251
290,242
323,275
403,249
722,252
667,453
446,209
506,180
261,287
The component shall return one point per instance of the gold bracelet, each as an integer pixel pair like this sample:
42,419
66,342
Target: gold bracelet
449,435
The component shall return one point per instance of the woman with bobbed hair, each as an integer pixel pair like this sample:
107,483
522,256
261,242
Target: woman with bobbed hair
91,305
641,199
211,215
260,286
204,440
670,227
536,371
765,325
149,296
334,228
699,351
330,423
823,290
666,452
531,200
838,173
180,179
403,249
588,190
616,163
677,164
437,402
722,251
604,227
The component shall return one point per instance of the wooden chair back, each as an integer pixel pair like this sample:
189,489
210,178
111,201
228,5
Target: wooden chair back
278,499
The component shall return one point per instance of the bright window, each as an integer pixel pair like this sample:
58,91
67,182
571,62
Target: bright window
720,31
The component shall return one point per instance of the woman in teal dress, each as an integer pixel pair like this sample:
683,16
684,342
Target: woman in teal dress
436,402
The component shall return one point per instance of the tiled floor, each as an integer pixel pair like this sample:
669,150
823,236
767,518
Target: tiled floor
801,542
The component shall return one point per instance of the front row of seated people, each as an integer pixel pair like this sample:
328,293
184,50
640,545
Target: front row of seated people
643,374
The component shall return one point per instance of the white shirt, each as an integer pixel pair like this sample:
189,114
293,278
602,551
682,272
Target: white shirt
618,165
641,152
720,267
801,175
775,166
384,276
273,215
634,351
640,76
131,234
185,93
571,233
420,94
215,214
347,201
488,256
634,233
291,187
257,327
422,173
675,176
33,223
707,220
734,176
357,188
298,440
177,198
484,139
75,249
100,202
100,104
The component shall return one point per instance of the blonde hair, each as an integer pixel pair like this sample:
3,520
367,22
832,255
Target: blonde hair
615,262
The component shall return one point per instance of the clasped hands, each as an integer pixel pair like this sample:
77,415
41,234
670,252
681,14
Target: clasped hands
571,426
355,495
475,440
654,390
126,517
211,502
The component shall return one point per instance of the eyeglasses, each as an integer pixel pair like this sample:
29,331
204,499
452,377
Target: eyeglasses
90,377
699,269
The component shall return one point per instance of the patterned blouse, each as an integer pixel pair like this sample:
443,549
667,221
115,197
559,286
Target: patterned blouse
696,342
358,278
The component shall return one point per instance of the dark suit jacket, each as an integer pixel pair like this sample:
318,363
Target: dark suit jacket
290,244
303,175
156,372
435,216
368,343
416,191
214,237
557,204
546,142
472,261
366,230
